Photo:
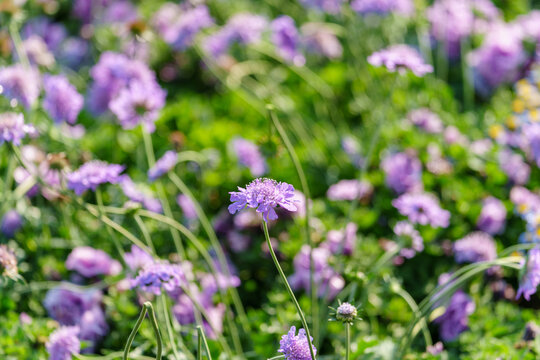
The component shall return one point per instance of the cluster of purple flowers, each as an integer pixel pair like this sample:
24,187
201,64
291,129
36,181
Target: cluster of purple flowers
13,129
158,276
249,156
320,39
456,316
63,343
62,101
400,58
423,209
20,85
403,172
187,206
92,174
90,262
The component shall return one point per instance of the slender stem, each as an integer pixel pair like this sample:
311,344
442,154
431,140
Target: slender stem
203,337
17,42
145,232
307,195
99,200
168,325
414,307
134,332
147,307
289,290
348,334
199,344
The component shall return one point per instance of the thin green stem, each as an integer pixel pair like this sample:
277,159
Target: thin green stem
199,344
99,200
289,290
348,335
414,307
168,325
145,232
200,331
134,332
157,332
147,308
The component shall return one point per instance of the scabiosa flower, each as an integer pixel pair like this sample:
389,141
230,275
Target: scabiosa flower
329,6
132,191
249,156
165,164
63,343
13,129
346,313
423,209
426,120
156,276
286,39
92,174
475,247
264,195
492,217
20,85
350,190
188,208
410,237
400,58
383,7
138,103
456,317
295,347
321,39
342,241
403,172
62,101
11,223
90,262
8,262
531,279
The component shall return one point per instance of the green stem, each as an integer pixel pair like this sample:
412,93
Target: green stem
414,307
289,290
147,307
99,200
168,325
199,344
200,331
348,334
145,232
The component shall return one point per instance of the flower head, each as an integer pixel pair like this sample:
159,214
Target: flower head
426,120
346,313
92,174
157,276
13,129
423,209
165,164
11,223
456,317
475,247
62,101
295,347
188,208
531,279
286,39
411,238
264,195
63,343
403,172
20,85
137,258
90,262
492,217
350,190
400,58
249,155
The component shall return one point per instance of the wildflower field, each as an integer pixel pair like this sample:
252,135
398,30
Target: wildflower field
270,179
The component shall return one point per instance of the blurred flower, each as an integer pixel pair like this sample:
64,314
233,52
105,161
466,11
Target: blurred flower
341,241
329,6
184,312
37,51
492,217
179,25
11,223
63,343
426,120
188,208
524,200
20,84
137,258
8,262
321,39
132,191
475,247
400,58
62,101
453,136
249,155
531,279
403,172
350,190
423,209
352,148
532,135
410,238
437,164
163,165
517,170
238,242
383,7
90,262
456,316
435,349
156,276
287,40
52,33
295,347
531,331
92,174
264,195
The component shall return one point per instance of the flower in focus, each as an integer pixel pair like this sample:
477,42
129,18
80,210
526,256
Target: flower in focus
295,347
492,217
138,103
400,58
423,209
92,174
13,129
383,7
62,101
264,195
188,208
475,247
287,40
531,278
403,172
350,190
410,237
249,155
11,223
90,262
20,85
63,343
163,165
8,262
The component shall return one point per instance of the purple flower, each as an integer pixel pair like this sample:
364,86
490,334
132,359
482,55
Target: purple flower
383,7
90,262
423,209
11,223
184,312
20,84
329,6
426,120
52,33
403,172
410,237
165,164
238,242
295,347
13,129
531,279
524,200
122,11
349,190
67,305
513,165
37,52
492,217
63,343
157,276
322,40
62,101
400,58
475,247
132,191
287,40
456,317
453,136
264,195
92,174
178,26
249,155
8,262
137,259
329,282
188,208
532,135
346,312
341,241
